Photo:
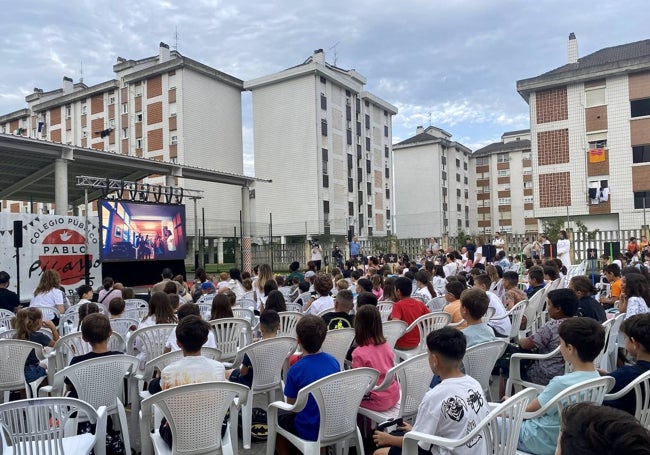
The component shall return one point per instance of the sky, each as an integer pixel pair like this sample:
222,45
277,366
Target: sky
451,64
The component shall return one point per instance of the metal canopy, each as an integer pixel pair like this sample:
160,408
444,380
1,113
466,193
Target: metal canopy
27,169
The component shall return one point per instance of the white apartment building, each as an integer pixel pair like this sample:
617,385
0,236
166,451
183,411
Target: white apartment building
501,193
590,137
165,107
326,144
432,187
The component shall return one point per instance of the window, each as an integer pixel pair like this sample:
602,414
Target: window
444,175
458,192
465,180
323,127
367,121
504,201
504,172
125,108
138,143
171,81
348,93
598,144
350,162
444,191
111,123
385,130
386,173
641,153
466,194
443,160
387,193
459,208
528,184
349,136
323,101
111,99
84,132
527,171
465,165
457,162
369,190
641,199
528,199
369,212
173,140
323,80
358,128
138,117
458,177
125,133
368,144
172,110
350,185
84,109
526,156
326,181
482,161
68,111
503,158
640,108
325,156
386,152
326,208
595,97
350,208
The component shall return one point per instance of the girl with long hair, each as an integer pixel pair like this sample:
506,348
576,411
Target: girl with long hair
160,311
424,287
635,295
48,294
108,292
28,322
264,274
221,307
389,290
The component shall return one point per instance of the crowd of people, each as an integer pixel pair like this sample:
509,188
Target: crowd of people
466,283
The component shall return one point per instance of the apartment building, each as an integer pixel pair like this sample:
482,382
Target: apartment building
590,137
501,194
165,107
432,185
326,144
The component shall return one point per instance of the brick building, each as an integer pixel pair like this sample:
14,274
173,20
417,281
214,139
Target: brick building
590,137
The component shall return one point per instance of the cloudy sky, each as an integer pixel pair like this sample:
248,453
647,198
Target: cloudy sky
453,64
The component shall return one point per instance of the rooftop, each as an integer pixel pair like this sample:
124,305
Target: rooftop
500,147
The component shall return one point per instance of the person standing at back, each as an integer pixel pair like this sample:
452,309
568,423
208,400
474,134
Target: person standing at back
8,299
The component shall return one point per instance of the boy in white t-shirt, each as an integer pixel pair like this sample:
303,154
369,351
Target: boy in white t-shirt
452,408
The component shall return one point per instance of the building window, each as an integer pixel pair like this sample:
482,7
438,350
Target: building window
386,173
443,160
138,117
640,108
482,161
323,101
125,108
367,122
138,143
528,199
385,130
173,140
326,181
172,110
323,80
325,160
527,171
504,201
595,97
348,93
68,111
459,208
641,199
503,158
504,172
84,132
350,208
369,189
323,127
125,133
457,162
528,184
349,136
598,144
84,109
386,152
458,192
111,123
466,194
326,210
350,185
368,144
111,99
369,212
387,193
641,153
444,175
465,165
465,181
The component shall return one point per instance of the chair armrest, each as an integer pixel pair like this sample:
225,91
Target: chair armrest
532,356
387,382
284,406
412,438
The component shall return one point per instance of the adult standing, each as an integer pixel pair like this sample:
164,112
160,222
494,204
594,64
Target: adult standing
434,245
563,249
471,248
316,254
108,292
8,299
479,257
498,242
167,275
355,249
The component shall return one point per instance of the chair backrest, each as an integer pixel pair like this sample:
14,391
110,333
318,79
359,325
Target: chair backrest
488,314
303,298
288,322
75,308
480,359
206,310
296,307
534,308
136,313
245,313
427,323
385,308
99,381
28,429
13,354
500,428
69,323
206,298
228,334
247,303
393,331
160,362
72,345
49,312
592,390
267,359
608,362
516,315
131,304
150,339
8,334
195,413
338,397
337,343
6,313
123,325
414,377
325,311
5,323
641,388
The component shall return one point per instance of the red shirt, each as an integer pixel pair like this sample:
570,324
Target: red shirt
408,310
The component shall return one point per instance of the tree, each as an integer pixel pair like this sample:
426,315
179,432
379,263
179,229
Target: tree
552,228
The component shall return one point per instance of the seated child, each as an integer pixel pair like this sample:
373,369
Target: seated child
313,365
473,306
28,322
269,325
96,331
85,293
637,343
581,340
341,318
224,277
453,290
116,308
184,311
452,408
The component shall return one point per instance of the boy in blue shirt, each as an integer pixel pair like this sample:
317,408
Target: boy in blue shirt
312,366
581,340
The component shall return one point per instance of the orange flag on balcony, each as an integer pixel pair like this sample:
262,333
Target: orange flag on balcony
596,155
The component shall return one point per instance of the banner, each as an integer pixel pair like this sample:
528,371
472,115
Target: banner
49,242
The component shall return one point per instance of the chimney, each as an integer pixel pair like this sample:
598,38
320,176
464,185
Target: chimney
419,129
163,52
319,56
67,85
573,48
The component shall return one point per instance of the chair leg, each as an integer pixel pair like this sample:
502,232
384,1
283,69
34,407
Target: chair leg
135,412
124,426
247,418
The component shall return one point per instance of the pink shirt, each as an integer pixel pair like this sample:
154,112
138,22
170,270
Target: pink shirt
381,358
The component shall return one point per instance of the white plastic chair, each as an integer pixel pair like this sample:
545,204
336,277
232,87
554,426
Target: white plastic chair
414,377
608,361
8,334
27,427
245,313
206,298
131,304
149,342
425,324
593,390
338,397
324,312
123,326
385,309
516,314
337,343
5,323
488,314
393,331
480,359
6,313
206,310
72,345
100,383
136,313
500,439
231,334
13,354
69,323
533,312
295,307
303,299
515,381
288,322
195,414
641,388
247,303
267,360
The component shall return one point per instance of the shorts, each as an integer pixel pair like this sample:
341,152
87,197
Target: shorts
34,371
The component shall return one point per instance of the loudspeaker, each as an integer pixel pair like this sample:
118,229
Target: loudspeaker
18,234
490,253
612,249
550,250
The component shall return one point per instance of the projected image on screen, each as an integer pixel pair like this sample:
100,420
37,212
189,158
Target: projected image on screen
134,231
